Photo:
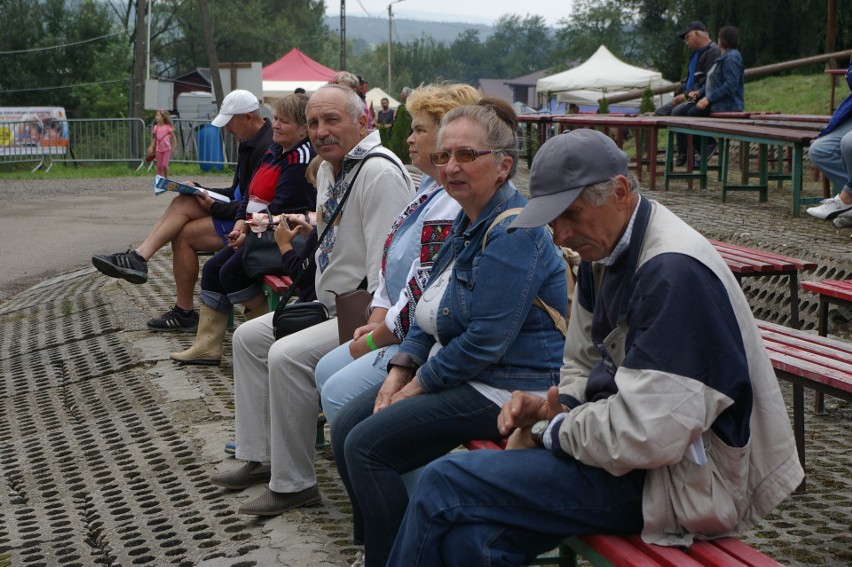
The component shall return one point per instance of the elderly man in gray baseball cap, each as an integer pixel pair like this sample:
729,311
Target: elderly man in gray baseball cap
579,185
665,388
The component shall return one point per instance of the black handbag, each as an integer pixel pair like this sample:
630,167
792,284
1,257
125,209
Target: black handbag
261,255
295,317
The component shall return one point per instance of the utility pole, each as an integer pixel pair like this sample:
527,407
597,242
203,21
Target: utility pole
137,95
390,40
212,58
137,86
342,35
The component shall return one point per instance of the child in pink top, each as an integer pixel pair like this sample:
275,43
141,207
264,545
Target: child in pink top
164,140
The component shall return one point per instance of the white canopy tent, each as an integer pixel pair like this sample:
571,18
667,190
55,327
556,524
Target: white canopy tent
375,96
601,74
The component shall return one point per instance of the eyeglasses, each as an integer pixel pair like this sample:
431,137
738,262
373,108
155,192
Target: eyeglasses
464,155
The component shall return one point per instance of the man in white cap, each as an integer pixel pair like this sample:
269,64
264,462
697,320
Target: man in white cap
668,421
197,223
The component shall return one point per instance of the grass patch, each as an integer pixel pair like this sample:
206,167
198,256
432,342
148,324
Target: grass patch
793,94
94,171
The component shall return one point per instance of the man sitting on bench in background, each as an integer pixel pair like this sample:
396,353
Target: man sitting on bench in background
668,421
193,223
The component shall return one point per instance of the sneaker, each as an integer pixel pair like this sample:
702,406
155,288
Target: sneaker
843,220
175,319
829,208
680,161
128,265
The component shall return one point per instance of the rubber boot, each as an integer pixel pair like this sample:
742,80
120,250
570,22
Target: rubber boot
207,349
261,309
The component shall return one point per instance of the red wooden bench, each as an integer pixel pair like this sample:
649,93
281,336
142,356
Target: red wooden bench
808,361
631,551
275,287
838,292
747,262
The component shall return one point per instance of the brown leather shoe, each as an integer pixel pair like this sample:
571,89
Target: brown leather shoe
247,475
274,503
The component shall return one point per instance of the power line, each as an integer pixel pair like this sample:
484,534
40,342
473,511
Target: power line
35,49
61,86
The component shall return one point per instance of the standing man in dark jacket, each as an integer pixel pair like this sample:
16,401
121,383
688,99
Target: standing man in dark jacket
196,223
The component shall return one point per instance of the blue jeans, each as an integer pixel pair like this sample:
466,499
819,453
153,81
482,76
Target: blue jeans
832,154
372,452
340,378
506,507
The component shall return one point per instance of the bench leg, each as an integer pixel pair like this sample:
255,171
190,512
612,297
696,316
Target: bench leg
652,157
723,166
796,173
763,172
670,145
822,329
799,429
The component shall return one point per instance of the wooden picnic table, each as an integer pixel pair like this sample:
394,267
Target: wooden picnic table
748,262
726,131
644,127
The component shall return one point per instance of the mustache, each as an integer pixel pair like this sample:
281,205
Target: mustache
326,140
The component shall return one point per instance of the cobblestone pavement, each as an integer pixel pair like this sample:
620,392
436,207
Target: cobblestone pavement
106,446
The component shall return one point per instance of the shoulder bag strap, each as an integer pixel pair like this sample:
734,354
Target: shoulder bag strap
559,321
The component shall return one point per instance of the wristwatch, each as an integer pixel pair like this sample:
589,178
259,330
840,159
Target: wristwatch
537,432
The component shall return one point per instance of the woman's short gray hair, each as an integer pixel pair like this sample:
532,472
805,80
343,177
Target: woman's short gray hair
500,136
597,194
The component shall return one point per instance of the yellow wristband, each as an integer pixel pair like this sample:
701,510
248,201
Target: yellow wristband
370,342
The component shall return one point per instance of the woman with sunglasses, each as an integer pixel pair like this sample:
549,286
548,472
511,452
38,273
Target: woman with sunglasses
476,337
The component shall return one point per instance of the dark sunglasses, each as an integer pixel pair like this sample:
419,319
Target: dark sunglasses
464,155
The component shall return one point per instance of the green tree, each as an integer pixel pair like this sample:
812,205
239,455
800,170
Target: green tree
594,23
64,54
519,46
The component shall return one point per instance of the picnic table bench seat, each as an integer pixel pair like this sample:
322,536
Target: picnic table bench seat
808,361
749,262
837,292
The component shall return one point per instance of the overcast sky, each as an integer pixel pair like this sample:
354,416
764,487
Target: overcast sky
478,11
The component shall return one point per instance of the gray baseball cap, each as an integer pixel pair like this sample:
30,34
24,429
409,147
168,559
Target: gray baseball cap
563,167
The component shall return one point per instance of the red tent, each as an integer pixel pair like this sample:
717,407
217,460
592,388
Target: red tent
294,70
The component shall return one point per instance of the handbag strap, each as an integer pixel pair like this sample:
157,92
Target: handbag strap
568,255
307,261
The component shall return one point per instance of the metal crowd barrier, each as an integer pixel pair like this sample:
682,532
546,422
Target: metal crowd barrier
32,141
111,140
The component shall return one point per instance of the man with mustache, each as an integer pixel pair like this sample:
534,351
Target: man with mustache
668,420
275,390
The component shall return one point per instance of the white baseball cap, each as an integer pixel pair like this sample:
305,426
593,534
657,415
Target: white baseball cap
237,102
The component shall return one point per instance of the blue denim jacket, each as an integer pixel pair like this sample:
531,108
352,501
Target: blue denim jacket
490,329
724,87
